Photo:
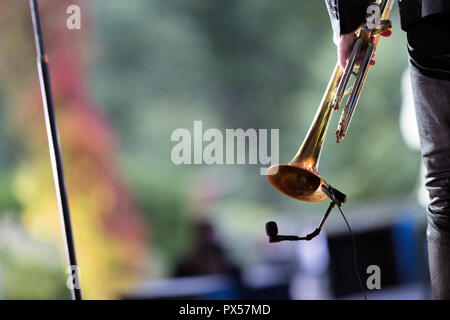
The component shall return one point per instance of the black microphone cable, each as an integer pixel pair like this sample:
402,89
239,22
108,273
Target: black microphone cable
355,255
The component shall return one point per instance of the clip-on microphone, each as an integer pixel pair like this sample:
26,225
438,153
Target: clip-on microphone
336,197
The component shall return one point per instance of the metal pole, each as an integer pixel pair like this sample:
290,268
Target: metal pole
55,151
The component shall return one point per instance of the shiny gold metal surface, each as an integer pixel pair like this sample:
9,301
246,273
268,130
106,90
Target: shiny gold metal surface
362,53
300,178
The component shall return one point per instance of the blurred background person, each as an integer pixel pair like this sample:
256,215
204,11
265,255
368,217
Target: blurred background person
207,255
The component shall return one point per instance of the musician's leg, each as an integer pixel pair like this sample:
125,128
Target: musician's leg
432,105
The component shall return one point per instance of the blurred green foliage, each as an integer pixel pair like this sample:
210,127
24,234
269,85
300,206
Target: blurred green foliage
160,65
240,64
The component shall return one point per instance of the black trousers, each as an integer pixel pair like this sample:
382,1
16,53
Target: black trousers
432,105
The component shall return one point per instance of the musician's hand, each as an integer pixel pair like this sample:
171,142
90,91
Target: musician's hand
345,46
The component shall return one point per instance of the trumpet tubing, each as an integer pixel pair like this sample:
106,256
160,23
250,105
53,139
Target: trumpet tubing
300,178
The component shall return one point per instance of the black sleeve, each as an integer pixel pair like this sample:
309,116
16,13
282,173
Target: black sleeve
346,15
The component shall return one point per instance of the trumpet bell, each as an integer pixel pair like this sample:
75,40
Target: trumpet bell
297,182
299,178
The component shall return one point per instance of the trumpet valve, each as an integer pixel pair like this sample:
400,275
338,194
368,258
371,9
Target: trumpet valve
339,137
340,132
336,103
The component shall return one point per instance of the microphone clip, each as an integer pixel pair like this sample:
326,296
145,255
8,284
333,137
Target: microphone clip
336,198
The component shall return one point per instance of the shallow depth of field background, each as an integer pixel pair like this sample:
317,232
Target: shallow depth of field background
136,71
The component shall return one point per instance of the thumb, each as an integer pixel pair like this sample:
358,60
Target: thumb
342,58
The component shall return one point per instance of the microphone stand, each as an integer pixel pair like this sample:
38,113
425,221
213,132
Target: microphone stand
336,198
55,152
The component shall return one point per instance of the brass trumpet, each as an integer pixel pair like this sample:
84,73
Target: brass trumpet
300,178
